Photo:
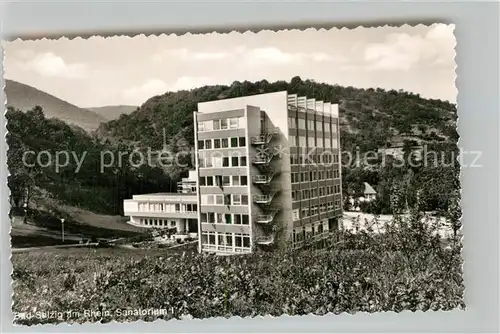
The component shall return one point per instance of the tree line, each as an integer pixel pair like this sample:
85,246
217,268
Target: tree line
370,119
89,187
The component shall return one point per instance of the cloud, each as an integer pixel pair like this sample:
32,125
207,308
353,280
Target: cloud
187,55
138,94
269,56
190,82
48,64
401,51
275,56
245,56
320,56
441,32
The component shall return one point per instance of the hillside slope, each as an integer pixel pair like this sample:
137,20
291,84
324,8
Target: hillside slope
86,184
24,97
113,112
370,118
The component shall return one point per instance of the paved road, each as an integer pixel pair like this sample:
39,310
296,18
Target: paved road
31,249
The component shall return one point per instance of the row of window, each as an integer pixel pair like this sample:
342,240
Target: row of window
157,222
226,199
298,214
294,123
187,190
314,229
222,124
299,195
218,162
225,241
315,175
186,187
307,159
167,207
208,144
241,161
225,181
318,141
224,218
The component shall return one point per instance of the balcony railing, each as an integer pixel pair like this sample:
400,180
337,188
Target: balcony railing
266,219
165,214
264,138
263,199
269,188
262,159
265,240
259,140
260,179
263,179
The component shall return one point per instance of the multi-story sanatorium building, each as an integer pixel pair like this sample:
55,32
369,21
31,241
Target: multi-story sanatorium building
268,171
175,211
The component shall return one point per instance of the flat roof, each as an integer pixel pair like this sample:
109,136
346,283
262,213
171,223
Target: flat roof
265,101
166,194
165,197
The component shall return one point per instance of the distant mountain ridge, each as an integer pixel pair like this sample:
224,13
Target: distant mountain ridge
25,97
113,112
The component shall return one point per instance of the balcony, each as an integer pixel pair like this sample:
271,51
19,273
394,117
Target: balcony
268,188
265,240
263,179
266,219
165,214
264,138
262,159
263,199
259,140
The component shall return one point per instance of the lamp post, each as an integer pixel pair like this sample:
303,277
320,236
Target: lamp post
62,229
25,207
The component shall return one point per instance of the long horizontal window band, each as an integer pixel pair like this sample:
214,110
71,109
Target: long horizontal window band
220,162
223,180
231,242
221,218
218,143
224,199
222,124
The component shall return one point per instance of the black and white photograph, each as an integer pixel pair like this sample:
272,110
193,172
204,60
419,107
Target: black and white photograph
269,173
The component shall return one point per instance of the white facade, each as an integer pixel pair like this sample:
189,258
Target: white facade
173,211
267,175
244,149
188,185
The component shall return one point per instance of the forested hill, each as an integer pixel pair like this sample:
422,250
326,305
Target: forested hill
67,164
24,97
370,118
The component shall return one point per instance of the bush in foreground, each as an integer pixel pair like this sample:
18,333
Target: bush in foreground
405,268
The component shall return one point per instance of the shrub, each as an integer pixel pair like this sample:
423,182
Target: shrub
408,267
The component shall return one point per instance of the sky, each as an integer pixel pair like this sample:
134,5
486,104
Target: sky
126,70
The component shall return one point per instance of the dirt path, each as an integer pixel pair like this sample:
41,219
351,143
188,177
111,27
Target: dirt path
32,249
29,230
